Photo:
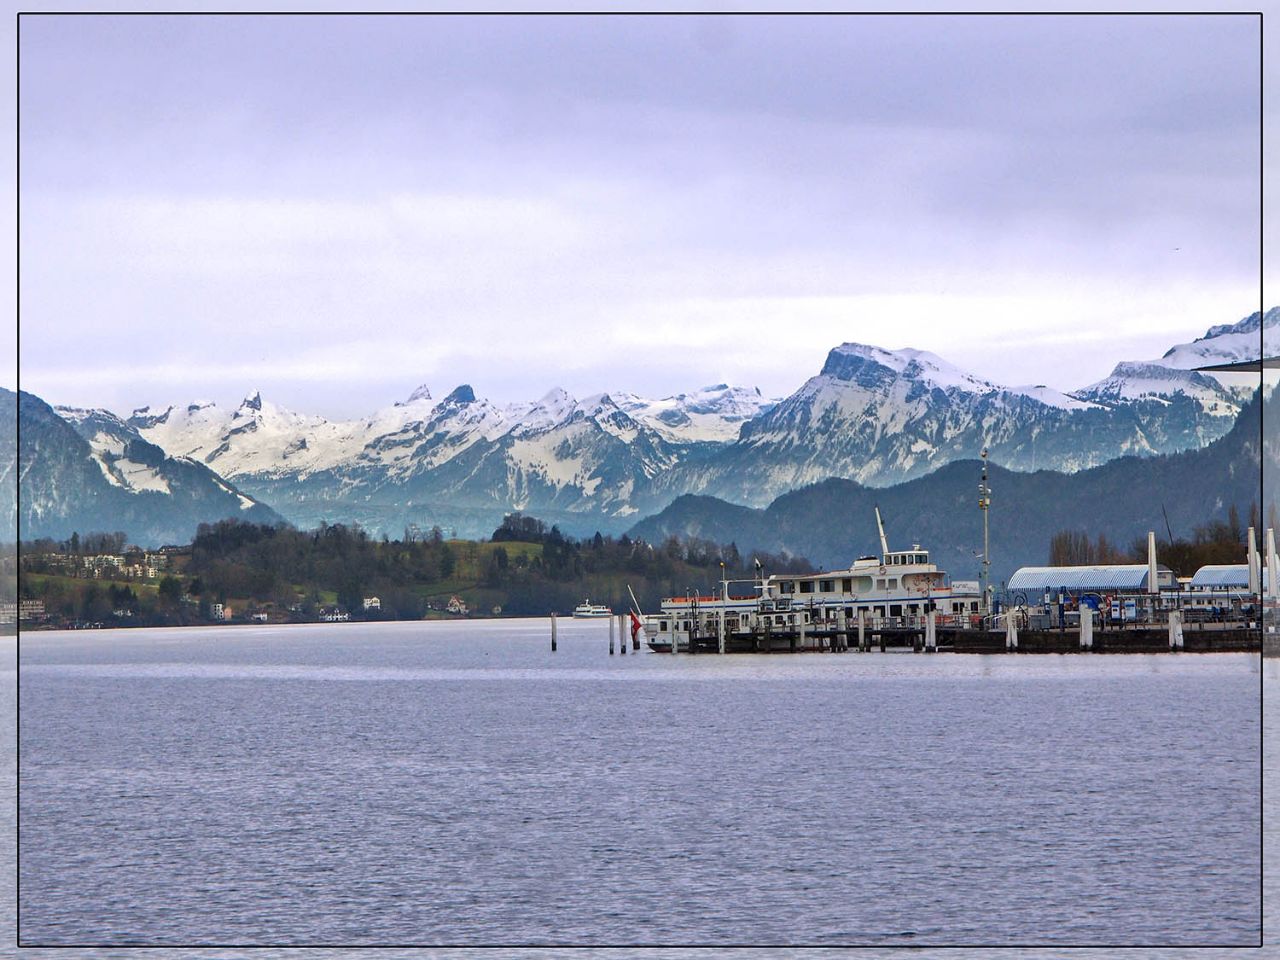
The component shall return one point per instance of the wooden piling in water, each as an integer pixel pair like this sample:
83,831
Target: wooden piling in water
611,635
553,633
622,637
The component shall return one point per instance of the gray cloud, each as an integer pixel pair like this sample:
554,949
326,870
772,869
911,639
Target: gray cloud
510,200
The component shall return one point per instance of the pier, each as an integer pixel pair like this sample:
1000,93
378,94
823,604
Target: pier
1146,638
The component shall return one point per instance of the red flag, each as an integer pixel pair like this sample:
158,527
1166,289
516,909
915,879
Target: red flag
636,626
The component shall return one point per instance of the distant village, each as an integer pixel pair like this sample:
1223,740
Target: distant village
161,569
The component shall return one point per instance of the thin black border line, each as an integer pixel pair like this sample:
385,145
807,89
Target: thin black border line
625,13
17,499
1262,491
1020,14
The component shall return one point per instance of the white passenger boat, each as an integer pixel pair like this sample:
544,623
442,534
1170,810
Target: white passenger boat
896,590
587,610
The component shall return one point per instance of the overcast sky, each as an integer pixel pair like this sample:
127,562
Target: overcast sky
335,210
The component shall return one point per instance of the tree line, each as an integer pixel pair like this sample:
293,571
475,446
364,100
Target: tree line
525,568
1216,542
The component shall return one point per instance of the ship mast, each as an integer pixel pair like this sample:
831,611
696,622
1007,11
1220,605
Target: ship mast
984,504
884,544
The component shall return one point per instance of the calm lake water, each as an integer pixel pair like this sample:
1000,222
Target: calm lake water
457,783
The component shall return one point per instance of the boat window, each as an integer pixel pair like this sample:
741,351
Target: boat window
893,583
827,586
848,613
806,586
847,584
880,584
913,609
895,610
973,605
662,626
879,611
785,587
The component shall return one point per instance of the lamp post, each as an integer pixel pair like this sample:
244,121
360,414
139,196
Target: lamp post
984,504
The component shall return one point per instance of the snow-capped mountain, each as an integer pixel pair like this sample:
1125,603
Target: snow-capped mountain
884,416
880,416
89,470
712,414
870,414
1227,342
1174,373
557,454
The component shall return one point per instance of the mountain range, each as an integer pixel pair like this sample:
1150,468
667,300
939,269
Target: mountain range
833,522
878,417
83,470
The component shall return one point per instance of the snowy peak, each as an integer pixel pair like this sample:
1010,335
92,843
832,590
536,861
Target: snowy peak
421,393
250,405
878,369
460,395
554,408
1225,343
144,417
1134,381
724,400
711,414
1255,321
1175,372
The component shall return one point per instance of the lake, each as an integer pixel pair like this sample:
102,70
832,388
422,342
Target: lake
457,783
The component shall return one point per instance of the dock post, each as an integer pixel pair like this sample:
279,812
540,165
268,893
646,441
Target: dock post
1010,633
800,626
1271,584
1086,626
862,630
930,634
1254,578
622,636
611,635
553,633
1175,630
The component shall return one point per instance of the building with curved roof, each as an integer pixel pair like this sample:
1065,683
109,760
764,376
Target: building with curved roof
1225,576
1102,578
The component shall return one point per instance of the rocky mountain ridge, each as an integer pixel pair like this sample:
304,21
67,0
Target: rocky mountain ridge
876,416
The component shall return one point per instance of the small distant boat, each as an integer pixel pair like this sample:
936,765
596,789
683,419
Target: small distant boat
587,610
